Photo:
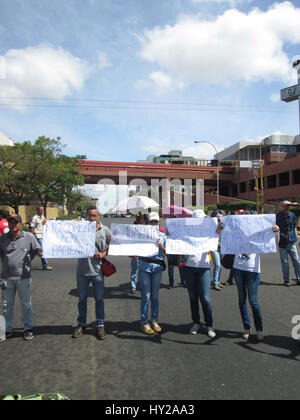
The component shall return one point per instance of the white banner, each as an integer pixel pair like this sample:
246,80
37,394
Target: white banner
192,236
249,235
69,239
134,240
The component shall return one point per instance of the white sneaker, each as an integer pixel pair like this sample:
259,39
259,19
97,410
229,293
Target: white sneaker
211,333
195,329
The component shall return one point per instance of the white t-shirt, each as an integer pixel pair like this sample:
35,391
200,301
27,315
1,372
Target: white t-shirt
198,261
37,225
250,263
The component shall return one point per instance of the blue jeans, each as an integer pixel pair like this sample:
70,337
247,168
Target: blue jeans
248,284
284,255
83,283
198,282
150,286
133,276
44,261
216,257
10,288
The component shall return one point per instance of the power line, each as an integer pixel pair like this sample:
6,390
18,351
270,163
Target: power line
191,104
140,108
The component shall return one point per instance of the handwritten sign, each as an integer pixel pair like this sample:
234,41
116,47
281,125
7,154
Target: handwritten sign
134,240
249,235
69,239
192,236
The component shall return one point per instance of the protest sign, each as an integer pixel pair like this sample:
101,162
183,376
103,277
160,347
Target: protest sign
192,236
69,239
249,235
134,240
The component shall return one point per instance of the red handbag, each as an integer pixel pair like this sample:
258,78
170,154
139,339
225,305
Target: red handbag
108,268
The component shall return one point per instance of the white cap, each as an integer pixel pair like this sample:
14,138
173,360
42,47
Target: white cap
287,203
154,217
198,214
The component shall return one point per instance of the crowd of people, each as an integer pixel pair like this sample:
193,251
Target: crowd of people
19,248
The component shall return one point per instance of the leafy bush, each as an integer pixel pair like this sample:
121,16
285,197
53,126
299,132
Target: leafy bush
235,206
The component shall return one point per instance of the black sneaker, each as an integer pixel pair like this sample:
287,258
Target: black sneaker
79,331
28,335
287,284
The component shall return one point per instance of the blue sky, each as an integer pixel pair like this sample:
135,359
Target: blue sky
156,74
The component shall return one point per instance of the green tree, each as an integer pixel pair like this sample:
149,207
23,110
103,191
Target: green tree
78,202
55,174
15,178
38,170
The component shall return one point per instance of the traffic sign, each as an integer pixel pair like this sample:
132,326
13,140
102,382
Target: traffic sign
291,93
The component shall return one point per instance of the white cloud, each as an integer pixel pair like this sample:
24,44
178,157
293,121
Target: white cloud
275,98
44,72
233,46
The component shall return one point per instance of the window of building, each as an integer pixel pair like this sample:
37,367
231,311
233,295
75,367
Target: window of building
272,181
296,176
284,149
243,187
234,190
284,179
252,185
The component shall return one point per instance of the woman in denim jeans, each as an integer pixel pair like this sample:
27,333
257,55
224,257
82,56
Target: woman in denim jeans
198,280
150,275
247,274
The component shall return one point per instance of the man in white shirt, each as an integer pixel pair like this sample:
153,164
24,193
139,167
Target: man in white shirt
37,229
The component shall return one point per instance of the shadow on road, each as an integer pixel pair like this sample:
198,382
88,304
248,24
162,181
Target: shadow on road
119,292
278,342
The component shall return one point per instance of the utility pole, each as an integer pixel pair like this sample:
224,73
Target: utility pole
292,93
218,171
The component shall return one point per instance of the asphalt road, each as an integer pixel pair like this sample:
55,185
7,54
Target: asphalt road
174,365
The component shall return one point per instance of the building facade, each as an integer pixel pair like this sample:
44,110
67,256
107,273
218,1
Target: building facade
281,168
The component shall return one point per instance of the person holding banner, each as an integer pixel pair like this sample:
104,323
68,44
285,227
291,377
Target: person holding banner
247,273
198,280
89,270
150,275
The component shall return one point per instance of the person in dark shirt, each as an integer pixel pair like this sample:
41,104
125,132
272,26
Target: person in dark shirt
17,250
286,220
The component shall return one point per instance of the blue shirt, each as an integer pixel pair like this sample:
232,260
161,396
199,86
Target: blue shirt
287,225
152,267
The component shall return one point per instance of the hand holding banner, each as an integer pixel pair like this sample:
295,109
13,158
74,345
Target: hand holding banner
69,239
248,235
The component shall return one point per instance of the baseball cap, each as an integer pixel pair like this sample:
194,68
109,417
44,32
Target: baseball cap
198,214
287,203
154,217
15,217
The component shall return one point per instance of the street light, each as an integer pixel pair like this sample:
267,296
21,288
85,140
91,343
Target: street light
218,174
